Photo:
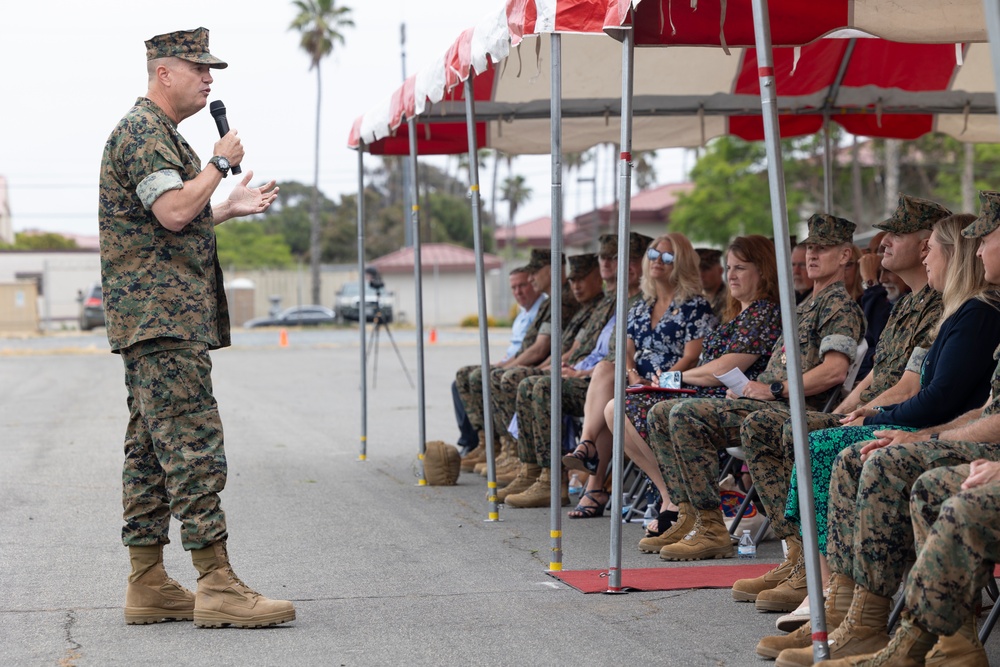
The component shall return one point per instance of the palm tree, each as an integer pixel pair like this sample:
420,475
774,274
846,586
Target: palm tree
515,191
320,22
644,168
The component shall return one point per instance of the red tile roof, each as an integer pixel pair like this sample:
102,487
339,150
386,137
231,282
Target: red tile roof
446,257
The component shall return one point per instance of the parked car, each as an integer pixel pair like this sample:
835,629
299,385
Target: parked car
294,317
91,307
346,303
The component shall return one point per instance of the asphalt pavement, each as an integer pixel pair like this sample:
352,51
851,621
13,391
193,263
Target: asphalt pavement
382,571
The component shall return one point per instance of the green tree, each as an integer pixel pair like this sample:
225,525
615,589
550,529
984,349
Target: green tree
40,241
320,23
245,245
730,196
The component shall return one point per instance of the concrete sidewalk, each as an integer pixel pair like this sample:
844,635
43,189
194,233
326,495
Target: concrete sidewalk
382,572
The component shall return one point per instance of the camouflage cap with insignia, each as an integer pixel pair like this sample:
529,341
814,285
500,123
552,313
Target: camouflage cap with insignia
638,244
989,216
913,214
541,257
190,45
607,246
581,266
829,230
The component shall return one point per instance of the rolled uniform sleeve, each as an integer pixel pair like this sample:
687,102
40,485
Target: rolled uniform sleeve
154,185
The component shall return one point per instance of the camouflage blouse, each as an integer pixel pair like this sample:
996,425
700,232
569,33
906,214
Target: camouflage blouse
911,325
157,283
829,322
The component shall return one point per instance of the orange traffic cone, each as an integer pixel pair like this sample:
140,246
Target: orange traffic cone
283,338
432,337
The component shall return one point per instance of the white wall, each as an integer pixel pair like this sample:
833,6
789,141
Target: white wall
448,298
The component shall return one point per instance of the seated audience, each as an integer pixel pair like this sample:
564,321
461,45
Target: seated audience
870,539
713,287
689,435
770,459
753,324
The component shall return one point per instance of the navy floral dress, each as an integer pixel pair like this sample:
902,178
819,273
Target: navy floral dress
753,331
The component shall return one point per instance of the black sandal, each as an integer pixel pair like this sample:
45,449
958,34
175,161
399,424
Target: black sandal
583,460
582,511
668,517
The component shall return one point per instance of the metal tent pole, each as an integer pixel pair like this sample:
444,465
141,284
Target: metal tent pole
555,298
827,166
621,309
993,30
363,455
796,401
419,292
484,336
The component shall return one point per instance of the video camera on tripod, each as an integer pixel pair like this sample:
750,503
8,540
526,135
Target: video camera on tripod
381,315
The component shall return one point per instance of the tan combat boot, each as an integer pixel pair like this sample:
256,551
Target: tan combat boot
152,596
907,649
223,599
838,594
686,516
862,632
709,538
506,461
508,473
747,590
526,476
787,595
477,455
539,493
481,467
962,649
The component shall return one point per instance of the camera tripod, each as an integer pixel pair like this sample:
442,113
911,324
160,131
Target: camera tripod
380,322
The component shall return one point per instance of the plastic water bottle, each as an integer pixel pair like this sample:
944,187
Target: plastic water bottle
650,514
575,486
747,548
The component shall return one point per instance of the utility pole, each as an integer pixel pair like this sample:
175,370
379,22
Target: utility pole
407,176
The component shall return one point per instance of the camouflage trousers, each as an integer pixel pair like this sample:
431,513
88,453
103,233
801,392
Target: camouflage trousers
698,429
470,390
870,536
174,457
658,431
503,394
770,457
958,539
534,414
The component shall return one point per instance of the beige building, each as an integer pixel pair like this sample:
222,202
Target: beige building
449,284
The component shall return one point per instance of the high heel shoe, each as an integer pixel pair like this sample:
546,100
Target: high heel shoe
582,511
582,459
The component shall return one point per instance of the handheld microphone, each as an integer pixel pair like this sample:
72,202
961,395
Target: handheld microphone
218,111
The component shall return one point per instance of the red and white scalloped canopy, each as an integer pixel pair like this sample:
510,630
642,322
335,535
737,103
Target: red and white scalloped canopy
881,68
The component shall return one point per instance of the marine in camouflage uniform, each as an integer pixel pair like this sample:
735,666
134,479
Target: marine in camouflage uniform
688,435
957,537
908,333
533,394
870,535
165,309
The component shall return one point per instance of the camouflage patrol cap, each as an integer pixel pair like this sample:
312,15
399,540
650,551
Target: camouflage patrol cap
989,216
607,246
829,230
580,266
708,257
913,214
541,257
190,45
638,244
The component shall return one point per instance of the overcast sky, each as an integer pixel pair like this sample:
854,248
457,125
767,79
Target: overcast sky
71,69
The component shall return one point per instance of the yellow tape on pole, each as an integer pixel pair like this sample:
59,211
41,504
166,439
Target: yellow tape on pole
555,567
555,533
362,457
494,516
491,485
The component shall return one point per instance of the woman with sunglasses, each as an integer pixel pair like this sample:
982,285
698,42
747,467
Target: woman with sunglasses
664,333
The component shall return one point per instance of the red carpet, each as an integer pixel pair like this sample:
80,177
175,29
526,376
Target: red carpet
663,578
